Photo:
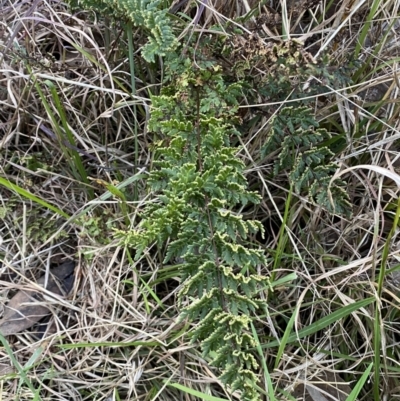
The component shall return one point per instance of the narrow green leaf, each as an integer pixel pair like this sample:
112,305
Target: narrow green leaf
285,337
13,187
366,27
107,195
196,393
267,376
76,157
16,364
283,280
34,357
358,387
324,322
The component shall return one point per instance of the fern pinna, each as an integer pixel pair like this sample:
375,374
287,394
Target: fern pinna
296,136
200,184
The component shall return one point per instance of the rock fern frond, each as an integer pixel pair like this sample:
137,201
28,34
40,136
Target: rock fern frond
200,184
296,137
147,14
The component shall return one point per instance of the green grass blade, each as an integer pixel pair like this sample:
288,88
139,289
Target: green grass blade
198,394
285,337
28,365
324,322
358,387
369,61
267,376
69,153
366,27
13,187
283,280
377,342
69,137
54,121
283,237
285,23
107,195
16,364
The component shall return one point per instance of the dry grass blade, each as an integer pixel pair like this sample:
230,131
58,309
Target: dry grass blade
324,386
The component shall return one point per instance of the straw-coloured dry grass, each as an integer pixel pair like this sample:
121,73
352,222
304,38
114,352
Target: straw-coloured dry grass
73,138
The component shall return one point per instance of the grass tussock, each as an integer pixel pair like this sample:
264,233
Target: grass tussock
75,155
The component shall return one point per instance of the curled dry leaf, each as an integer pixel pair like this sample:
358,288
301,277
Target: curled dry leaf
24,310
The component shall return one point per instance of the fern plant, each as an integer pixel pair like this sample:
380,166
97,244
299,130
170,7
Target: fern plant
147,14
297,138
293,137
200,185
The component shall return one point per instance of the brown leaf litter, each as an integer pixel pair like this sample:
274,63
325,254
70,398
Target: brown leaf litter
27,307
